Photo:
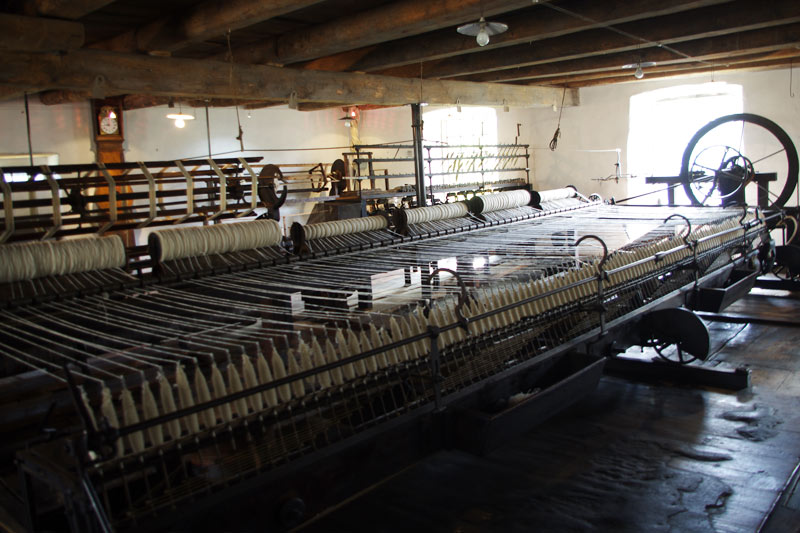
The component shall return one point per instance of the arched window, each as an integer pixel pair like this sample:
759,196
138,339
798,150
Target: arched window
662,122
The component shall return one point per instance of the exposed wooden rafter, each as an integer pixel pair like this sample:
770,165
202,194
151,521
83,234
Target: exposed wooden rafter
95,70
716,50
390,21
746,63
34,34
533,24
65,9
209,19
703,23
320,49
63,97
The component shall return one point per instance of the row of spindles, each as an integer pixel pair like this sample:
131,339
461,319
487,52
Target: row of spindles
176,390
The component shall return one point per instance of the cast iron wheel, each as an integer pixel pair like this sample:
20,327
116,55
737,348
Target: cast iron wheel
707,164
681,357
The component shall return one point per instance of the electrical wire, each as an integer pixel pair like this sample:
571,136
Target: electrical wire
622,32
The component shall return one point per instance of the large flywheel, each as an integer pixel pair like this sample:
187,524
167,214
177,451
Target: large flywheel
740,157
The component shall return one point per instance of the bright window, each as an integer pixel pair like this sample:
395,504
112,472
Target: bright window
662,123
472,134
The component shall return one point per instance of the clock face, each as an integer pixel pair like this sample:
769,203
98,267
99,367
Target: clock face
109,124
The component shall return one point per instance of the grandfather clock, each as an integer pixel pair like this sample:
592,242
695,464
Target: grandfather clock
108,138
108,130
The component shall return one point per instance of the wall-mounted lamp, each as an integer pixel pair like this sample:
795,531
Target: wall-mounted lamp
482,30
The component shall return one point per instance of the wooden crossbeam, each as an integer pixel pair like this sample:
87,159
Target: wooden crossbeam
763,61
716,49
206,20
35,34
114,73
65,9
383,23
534,23
670,29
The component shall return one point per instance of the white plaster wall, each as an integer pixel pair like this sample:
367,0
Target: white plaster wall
601,122
64,130
279,134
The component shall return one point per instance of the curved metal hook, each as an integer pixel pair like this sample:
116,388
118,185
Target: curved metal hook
462,297
605,251
744,215
688,227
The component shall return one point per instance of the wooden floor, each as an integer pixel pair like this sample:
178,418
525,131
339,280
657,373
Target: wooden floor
629,457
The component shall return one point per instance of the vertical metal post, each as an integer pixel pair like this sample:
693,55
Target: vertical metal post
436,368
419,168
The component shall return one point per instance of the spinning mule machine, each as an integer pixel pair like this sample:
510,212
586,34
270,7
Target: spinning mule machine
227,365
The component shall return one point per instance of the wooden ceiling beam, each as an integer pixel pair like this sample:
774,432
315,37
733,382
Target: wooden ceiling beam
534,23
686,72
63,97
769,59
113,73
716,50
36,34
11,92
670,29
383,23
65,9
142,101
206,20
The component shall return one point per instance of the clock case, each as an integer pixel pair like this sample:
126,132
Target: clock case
97,113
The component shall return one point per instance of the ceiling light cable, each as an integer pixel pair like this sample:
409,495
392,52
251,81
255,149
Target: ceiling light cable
554,142
622,32
240,137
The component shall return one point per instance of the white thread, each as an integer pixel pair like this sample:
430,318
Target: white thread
557,194
37,259
193,241
343,227
436,212
503,200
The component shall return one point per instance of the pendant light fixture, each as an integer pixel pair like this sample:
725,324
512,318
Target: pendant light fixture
482,30
350,117
639,73
180,117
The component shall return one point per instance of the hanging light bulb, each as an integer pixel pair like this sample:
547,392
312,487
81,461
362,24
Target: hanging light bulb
483,35
180,117
350,117
638,73
482,30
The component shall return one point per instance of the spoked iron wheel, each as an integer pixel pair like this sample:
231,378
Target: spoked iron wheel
679,356
715,168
